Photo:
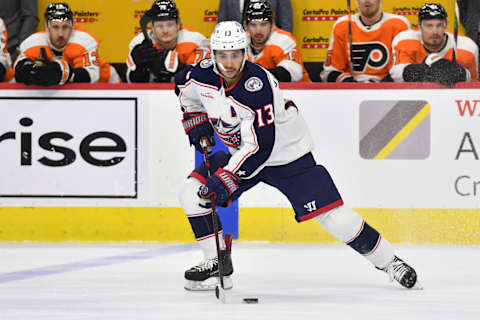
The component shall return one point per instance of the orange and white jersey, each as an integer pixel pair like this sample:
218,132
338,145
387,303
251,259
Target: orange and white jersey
81,51
408,48
281,50
5,59
191,48
371,46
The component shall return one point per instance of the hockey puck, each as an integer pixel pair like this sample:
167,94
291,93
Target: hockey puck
250,300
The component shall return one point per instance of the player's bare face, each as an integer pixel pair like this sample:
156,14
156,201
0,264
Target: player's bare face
369,8
59,32
259,32
166,32
433,34
230,64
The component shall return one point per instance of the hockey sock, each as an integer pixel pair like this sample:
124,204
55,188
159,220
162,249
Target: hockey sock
200,219
350,228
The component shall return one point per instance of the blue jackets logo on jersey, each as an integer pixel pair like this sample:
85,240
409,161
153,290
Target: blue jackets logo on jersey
228,133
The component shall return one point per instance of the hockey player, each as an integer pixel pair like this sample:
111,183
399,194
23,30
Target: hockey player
426,55
274,49
63,53
5,59
169,48
372,35
268,142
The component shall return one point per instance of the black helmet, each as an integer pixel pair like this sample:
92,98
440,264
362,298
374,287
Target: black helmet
258,10
163,10
432,11
59,11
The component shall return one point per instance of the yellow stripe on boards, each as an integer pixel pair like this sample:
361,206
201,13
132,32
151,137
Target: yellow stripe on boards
94,224
404,132
419,226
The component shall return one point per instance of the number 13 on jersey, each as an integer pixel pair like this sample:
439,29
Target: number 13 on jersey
265,115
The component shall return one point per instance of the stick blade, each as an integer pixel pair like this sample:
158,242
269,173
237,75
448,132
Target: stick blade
220,294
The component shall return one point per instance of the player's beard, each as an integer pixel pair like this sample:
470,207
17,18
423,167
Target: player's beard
436,42
371,11
259,39
59,43
232,74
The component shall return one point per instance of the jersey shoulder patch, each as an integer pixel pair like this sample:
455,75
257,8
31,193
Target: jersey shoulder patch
206,63
253,84
203,73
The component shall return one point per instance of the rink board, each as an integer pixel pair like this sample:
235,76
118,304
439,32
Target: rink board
413,175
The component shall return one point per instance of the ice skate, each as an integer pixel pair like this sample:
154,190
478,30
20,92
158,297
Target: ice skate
401,272
204,276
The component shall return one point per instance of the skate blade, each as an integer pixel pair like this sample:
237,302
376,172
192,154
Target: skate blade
417,286
208,285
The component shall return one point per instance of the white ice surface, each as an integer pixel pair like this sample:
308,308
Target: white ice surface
145,281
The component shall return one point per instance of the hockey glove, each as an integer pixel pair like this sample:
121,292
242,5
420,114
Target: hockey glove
220,187
448,72
24,71
197,126
157,67
349,79
2,72
416,72
144,53
49,73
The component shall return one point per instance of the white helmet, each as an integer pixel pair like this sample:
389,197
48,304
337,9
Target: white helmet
229,35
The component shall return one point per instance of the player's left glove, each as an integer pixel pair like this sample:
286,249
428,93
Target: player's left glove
197,126
447,72
220,187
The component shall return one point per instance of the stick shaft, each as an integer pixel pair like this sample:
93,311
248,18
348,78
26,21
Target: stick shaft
455,32
350,40
215,224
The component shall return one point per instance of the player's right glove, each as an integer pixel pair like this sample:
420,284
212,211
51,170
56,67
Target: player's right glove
144,53
220,187
24,71
416,72
42,72
197,126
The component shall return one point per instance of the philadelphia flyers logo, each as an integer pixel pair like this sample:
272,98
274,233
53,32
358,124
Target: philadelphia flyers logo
370,54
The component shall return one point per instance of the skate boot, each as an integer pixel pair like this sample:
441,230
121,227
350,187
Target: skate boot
401,272
205,276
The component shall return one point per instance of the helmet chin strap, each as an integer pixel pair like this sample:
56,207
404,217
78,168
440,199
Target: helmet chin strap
221,66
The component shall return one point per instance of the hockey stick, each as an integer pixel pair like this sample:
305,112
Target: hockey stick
144,20
219,289
455,32
350,41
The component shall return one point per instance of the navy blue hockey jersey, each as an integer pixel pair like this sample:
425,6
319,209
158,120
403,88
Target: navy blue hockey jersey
250,117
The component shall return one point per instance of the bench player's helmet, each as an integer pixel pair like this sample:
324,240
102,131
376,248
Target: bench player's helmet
162,10
228,35
258,10
432,11
58,11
